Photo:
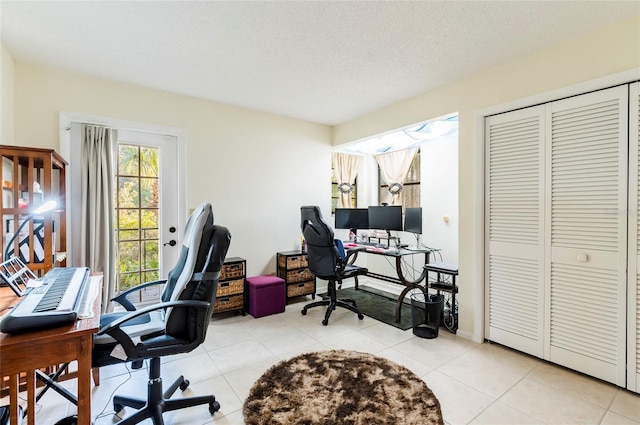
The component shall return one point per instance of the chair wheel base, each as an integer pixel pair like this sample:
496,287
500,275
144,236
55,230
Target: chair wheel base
325,322
214,407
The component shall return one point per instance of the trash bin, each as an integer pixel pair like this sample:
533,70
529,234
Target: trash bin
426,314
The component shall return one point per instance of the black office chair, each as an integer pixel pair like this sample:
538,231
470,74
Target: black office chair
176,325
326,262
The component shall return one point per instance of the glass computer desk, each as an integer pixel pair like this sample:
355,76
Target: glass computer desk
399,255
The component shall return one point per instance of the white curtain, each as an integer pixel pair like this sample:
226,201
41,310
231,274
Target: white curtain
97,246
394,167
346,168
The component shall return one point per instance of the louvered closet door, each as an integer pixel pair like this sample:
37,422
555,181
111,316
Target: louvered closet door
633,288
587,204
514,219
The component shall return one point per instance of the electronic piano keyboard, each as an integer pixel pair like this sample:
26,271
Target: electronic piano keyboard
55,302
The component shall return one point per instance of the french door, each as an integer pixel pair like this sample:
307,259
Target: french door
146,216
149,198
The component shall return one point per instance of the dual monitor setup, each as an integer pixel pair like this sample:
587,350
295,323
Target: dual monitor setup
388,217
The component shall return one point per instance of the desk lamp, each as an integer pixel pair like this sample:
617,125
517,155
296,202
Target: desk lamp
47,206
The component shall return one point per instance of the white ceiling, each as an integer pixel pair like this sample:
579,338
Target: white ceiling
321,61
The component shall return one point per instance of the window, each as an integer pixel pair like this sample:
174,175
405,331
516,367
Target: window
137,216
335,193
410,189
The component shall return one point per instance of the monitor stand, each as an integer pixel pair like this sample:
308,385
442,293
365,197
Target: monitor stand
417,246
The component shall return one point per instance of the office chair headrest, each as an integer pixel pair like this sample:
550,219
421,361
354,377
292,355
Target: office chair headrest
199,220
315,229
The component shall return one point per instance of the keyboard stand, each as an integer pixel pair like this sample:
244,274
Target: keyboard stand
51,381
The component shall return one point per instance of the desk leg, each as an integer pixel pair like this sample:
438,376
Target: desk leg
95,373
84,380
400,301
409,284
14,383
31,397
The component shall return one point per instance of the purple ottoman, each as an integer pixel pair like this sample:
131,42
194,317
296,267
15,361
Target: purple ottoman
267,295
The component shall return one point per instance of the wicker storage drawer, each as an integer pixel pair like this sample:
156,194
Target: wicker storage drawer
232,302
230,287
302,288
293,267
294,276
292,262
232,270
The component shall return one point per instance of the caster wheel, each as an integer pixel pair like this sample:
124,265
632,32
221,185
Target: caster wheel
184,385
214,407
325,322
360,316
304,312
117,407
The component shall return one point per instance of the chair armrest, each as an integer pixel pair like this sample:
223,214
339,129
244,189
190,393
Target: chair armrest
161,306
114,329
352,254
122,299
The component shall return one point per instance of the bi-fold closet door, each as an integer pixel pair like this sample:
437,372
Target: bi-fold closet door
633,288
556,231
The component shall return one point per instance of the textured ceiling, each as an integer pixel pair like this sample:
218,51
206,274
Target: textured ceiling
321,61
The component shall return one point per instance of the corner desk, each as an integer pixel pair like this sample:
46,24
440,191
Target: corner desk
30,351
352,251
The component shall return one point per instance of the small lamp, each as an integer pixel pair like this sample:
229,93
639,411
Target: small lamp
47,206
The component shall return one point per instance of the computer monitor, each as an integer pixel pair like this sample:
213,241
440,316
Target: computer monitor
387,218
413,223
413,220
352,218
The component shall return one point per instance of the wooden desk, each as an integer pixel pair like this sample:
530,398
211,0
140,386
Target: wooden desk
29,351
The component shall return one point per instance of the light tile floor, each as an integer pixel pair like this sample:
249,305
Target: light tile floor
475,383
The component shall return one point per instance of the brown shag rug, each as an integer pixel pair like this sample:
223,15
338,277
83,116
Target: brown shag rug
340,387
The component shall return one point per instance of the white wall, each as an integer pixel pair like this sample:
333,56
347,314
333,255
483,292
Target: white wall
439,196
6,96
256,169
604,52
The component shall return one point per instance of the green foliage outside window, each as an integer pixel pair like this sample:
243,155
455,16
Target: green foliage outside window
137,215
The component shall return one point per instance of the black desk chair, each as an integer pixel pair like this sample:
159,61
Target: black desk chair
176,325
326,261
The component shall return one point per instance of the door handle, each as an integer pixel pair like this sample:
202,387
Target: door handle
171,242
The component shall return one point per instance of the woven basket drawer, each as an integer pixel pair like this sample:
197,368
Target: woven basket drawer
294,262
231,270
230,287
294,276
233,302
303,288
